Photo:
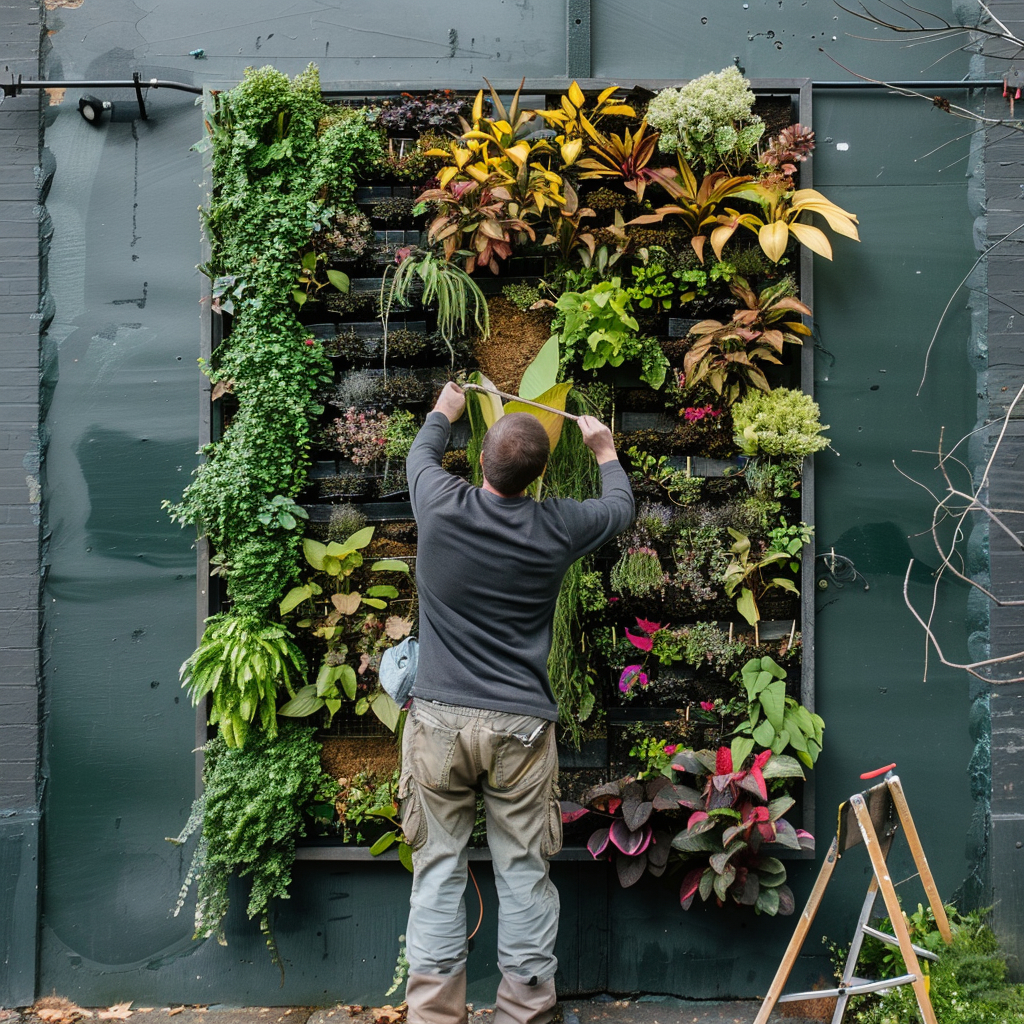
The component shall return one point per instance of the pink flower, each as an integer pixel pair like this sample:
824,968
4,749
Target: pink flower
310,341
671,748
402,254
632,674
708,705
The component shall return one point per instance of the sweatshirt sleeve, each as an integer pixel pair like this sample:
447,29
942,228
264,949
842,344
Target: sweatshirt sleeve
596,521
423,465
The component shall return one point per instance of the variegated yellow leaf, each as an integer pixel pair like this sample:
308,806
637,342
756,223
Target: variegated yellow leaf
773,238
813,238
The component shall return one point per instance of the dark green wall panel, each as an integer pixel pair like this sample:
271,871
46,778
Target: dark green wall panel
120,597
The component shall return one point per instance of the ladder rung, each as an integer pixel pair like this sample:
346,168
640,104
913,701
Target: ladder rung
893,941
856,987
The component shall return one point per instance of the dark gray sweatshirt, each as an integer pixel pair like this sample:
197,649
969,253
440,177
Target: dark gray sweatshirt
488,572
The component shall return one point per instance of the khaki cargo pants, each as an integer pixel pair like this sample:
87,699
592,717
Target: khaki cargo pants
449,754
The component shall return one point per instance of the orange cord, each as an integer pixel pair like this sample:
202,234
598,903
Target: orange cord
480,900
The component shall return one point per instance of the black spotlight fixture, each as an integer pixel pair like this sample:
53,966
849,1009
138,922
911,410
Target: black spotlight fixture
91,108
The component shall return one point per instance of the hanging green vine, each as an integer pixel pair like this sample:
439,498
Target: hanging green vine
283,161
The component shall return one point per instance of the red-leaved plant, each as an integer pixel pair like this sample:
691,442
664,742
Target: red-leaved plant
732,819
630,838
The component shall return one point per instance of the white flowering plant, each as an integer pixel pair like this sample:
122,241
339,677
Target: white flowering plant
710,120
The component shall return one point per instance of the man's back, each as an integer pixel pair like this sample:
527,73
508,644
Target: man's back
488,571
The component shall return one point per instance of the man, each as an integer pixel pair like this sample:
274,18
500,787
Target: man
489,566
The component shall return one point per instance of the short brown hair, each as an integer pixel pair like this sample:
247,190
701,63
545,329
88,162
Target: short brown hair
515,452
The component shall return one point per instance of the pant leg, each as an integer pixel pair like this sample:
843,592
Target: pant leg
524,829
438,809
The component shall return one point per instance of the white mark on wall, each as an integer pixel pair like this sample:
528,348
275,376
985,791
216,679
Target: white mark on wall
842,146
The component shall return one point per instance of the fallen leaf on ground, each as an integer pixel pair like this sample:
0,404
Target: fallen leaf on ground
388,1014
177,1009
119,1011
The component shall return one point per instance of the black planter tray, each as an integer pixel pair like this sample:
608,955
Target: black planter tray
697,465
375,511
592,754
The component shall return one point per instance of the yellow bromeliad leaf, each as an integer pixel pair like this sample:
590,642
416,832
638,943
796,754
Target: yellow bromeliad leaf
576,95
550,421
773,238
571,151
814,238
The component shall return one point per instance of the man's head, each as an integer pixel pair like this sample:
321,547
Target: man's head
515,452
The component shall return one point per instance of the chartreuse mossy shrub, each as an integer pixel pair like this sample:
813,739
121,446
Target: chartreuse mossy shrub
967,984
782,422
256,801
283,164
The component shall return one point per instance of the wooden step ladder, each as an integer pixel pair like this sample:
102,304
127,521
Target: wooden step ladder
871,818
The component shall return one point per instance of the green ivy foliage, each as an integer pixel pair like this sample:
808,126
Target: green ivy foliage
283,162
252,810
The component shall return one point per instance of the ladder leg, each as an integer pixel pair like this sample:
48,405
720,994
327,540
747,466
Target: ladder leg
800,934
914,842
892,904
850,967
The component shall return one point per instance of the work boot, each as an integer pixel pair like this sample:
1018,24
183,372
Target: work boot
436,998
521,1003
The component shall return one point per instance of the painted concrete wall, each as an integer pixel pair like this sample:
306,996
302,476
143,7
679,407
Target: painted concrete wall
119,601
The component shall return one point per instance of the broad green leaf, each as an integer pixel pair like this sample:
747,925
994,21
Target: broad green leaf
327,680
383,590
771,665
550,421
385,709
388,565
375,602
405,855
299,297
764,734
338,279
332,565
348,681
767,902
773,700
741,748
287,520
797,739
294,598
333,706
746,606
386,840
305,702
314,552
542,374
782,766
778,807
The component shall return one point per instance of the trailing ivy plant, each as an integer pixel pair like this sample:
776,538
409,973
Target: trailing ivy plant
284,163
253,808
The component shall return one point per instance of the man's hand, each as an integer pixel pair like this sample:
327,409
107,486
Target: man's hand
598,438
452,401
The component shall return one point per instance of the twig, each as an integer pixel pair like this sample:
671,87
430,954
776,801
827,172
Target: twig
525,401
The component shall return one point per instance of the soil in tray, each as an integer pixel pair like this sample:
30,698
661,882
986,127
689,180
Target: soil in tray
344,757
516,337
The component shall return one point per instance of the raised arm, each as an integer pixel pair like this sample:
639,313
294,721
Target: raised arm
423,465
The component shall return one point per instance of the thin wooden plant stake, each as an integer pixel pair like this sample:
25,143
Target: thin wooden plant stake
525,401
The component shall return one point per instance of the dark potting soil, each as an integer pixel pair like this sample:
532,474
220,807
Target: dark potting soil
515,338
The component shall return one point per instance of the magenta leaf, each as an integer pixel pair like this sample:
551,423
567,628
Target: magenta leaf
648,627
572,812
598,842
691,882
696,818
627,841
806,839
630,869
643,643
754,783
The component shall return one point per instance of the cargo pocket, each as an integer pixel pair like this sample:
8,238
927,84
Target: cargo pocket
413,820
430,748
552,841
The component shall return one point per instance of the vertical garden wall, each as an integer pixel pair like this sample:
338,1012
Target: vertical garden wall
122,427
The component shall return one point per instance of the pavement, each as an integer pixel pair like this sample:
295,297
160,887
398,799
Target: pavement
603,1009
